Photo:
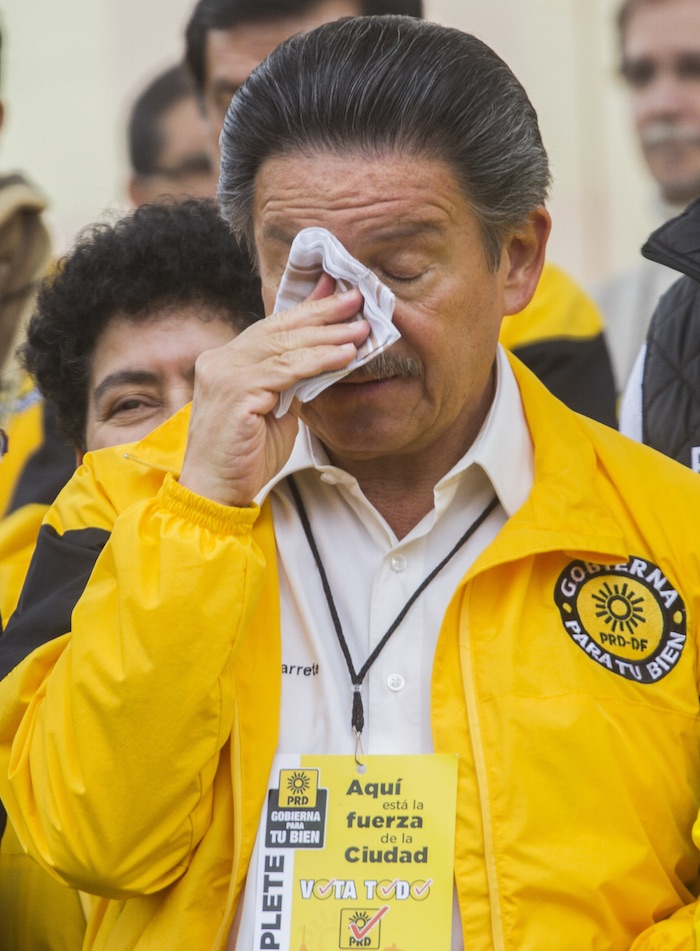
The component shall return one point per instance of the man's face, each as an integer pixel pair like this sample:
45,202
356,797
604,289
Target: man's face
185,168
661,64
408,220
231,55
143,371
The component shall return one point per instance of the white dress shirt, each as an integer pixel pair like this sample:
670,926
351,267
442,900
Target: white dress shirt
371,575
631,411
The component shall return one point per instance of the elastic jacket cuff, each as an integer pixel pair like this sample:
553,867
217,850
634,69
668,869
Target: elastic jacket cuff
212,516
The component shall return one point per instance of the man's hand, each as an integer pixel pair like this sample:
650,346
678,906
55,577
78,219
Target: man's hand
235,444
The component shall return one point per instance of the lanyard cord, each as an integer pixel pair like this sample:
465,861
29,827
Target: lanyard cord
358,716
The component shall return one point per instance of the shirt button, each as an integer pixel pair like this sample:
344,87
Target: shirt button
395,682
398,563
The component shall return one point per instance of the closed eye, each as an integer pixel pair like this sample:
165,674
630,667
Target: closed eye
392,278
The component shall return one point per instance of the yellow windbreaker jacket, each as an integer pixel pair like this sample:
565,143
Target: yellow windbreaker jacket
136,739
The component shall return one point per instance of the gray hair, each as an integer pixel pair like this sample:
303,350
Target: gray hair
368,86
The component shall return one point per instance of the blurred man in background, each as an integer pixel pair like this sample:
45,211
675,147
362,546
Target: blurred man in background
227,39
659,44
167,136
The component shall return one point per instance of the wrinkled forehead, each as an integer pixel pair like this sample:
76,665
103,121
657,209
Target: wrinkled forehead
323,185
346,164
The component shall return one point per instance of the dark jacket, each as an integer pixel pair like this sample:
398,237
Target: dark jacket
671,376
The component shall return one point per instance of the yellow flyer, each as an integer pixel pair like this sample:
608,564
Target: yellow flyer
350,859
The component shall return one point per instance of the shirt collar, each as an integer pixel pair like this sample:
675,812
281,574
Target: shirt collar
502,449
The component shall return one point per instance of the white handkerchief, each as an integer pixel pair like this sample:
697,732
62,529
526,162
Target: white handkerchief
313,251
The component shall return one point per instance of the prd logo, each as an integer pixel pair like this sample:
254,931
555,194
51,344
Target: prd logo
298,787
628,618
361,927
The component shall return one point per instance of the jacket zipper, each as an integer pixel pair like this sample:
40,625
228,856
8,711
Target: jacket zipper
482,781
226,922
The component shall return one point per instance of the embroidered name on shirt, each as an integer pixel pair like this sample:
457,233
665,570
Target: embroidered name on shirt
300,670
628,618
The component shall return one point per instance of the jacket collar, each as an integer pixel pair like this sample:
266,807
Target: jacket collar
163,448
566,510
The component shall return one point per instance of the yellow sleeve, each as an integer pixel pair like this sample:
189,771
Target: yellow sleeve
36,911
110,734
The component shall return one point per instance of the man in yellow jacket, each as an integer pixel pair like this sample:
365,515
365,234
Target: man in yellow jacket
428,593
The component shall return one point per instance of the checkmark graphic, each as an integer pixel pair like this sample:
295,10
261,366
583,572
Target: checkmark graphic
359,933
386,890
419,889
324,889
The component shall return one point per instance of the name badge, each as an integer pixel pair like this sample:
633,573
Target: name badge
348,859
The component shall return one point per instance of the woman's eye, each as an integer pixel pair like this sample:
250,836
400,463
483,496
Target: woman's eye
127,405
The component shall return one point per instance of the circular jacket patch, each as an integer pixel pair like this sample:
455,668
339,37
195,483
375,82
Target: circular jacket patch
628,618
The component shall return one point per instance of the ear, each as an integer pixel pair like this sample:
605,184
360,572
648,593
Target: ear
523,259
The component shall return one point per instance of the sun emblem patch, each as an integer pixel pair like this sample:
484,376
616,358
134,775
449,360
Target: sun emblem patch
628,618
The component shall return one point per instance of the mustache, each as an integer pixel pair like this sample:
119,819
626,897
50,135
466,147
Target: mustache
388,365
668,132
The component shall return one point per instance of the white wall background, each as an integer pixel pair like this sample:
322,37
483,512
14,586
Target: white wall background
72,67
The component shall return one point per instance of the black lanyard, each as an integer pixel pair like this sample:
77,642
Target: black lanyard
358,716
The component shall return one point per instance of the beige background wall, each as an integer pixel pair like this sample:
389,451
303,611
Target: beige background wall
72,67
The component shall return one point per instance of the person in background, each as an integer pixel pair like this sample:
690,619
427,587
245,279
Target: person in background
431,557
659,49
661,402
226,39
34,453
165,284
169,154
560,335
